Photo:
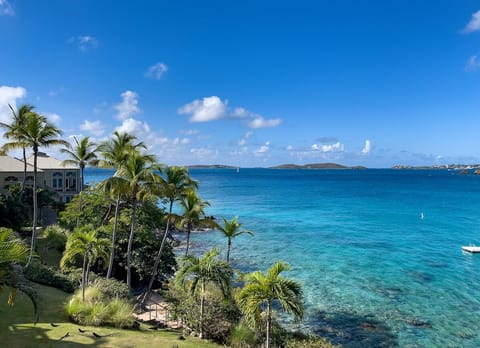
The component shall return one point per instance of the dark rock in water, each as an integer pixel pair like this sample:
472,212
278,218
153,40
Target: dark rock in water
353,331
423,324
421,277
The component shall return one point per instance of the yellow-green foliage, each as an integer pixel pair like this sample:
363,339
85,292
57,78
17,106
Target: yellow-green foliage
97,310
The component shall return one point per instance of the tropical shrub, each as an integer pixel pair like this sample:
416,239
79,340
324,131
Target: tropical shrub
243,337
39,273
220,317
56,237
112,288
99,310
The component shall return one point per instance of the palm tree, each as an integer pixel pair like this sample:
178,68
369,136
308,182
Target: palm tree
115,153
204,270
85,241
260,291
117,187
14,131
193,214
38,132
140,173
115,150
12,253
173,187
81,155
232,230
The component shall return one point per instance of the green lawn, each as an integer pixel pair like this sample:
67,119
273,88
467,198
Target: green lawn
17,330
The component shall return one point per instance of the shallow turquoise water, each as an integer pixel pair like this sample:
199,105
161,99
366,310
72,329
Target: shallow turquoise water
374,272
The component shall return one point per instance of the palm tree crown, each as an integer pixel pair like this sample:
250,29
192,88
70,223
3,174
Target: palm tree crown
261,290
85,241
193,214
81,155
15,132
231,229
203,270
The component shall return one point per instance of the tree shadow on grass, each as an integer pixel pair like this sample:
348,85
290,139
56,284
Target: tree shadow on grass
24,335
353,331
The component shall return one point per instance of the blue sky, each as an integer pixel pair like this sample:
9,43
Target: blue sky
254,83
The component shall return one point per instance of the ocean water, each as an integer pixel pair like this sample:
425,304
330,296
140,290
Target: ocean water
378,252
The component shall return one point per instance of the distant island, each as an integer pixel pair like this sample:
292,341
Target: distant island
211,166
441,166
316,166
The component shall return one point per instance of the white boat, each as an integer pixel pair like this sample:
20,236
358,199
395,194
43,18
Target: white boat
471,249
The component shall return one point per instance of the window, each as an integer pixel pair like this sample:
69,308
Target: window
71,182
11,178
57,182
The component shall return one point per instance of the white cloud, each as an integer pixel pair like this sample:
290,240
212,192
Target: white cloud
244,139
182,141
131,125
83,42
263,149
203,152
289,148
205,110
129,105
367,148
213,108
474,24
93,127
53,118
9,95
157,70
6,9
473,63
260,122
337,147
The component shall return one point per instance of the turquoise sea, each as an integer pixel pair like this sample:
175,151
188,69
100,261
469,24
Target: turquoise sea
377,251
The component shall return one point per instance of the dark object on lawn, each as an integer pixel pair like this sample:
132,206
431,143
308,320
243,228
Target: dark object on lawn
64,336
82,331
96,335
54,325
181,338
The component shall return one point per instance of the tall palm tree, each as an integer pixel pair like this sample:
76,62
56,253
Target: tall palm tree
38,132
85,241
173,187
231,229
114,153
141,173
204,270
193,214
117,188
12,253
261,290
81,155
15,132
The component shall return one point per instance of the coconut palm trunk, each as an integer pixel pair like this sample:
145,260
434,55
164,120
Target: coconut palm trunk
202,308
114,237
24,180
269,322
229,246
189,230
130,241
159,256
84,275
35,208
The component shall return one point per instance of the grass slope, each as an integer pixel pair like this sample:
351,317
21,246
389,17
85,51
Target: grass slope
17,330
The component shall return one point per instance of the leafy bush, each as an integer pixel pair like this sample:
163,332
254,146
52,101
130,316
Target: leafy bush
99,310
300,340
44,275
56,237
243,337
220,316
112,288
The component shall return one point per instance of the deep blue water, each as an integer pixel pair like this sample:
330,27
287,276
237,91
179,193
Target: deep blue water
374,272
